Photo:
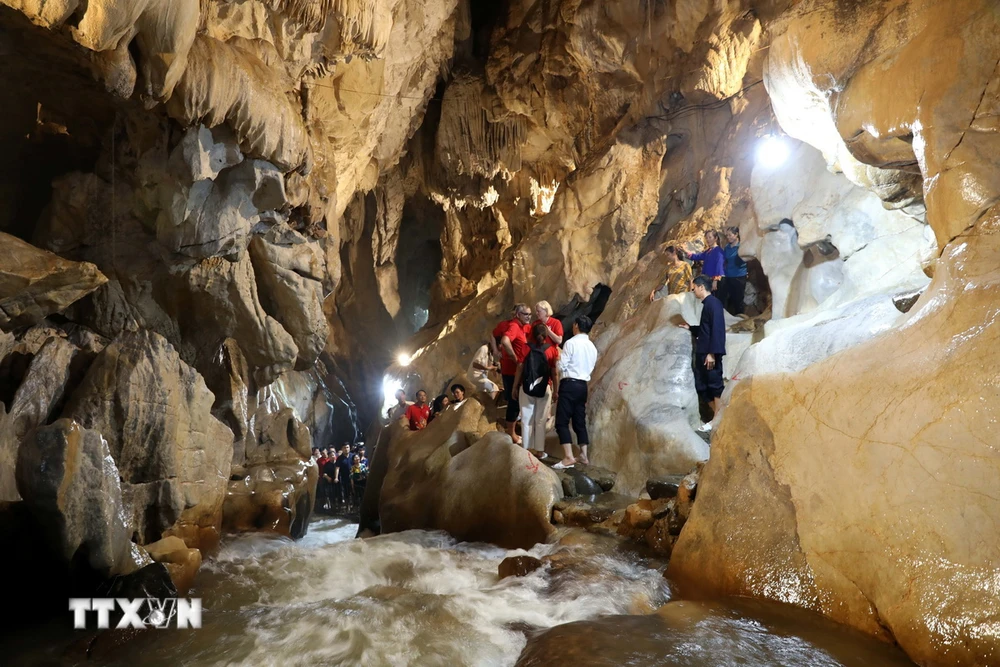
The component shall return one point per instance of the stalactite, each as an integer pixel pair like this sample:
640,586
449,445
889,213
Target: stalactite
364,24
475,141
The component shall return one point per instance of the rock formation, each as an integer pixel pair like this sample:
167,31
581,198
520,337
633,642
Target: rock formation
907,409
223,222
462,476
69,480
172,454
35,283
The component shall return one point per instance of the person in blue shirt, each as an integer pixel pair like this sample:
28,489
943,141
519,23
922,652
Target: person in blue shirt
734,284
712,259
709,347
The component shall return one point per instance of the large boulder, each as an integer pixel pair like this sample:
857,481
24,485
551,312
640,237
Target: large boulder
35,283
174,457
643,404
462,476
70,483
41,388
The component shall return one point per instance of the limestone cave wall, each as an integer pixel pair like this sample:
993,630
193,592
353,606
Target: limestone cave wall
222,221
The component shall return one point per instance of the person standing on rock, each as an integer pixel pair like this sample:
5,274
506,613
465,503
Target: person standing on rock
709,347
713,259
576,363
554,328
678,278
533,382
513,350
734,284
419,413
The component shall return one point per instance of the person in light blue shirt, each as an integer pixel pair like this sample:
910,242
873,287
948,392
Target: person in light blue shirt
734,284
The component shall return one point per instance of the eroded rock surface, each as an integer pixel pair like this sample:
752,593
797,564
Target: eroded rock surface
462,476
908,409
35,283
172,454
69,480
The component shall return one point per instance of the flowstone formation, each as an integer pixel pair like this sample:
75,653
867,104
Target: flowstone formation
223,221
912,411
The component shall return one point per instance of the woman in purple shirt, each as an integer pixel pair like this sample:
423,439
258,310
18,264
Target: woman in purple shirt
713,258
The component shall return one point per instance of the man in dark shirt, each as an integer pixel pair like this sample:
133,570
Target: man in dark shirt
344,477
709,347
328,473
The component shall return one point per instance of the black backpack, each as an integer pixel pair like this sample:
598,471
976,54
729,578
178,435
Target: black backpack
535,374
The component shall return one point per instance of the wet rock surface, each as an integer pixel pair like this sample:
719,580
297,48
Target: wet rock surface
517,566
664,486
460,475
70,483
698,633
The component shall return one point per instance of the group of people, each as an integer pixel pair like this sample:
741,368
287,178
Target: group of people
723,265
720,286
538,368
421,413
343,475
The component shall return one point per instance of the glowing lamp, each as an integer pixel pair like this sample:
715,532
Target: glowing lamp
403,359
772,152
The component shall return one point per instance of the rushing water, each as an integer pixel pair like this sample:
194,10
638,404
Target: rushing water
420,598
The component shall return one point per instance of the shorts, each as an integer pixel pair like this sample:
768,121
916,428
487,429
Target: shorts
708,383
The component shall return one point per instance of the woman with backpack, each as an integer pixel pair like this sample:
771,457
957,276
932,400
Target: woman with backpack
533,379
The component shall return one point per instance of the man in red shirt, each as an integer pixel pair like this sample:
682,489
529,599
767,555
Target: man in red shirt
512,351
418,413
554,327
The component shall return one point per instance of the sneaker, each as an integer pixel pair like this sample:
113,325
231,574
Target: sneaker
705,428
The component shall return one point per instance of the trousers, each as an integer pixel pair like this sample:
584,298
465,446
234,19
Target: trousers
572,407
534,414
510,392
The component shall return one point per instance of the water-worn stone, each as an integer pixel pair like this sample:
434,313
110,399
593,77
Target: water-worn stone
576,483
638,516
682,632
517,566
35,283
591,511
460,475
174,457
603,477
182,563
70,483
664,486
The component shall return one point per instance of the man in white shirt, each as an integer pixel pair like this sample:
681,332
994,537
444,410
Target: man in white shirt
576,363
